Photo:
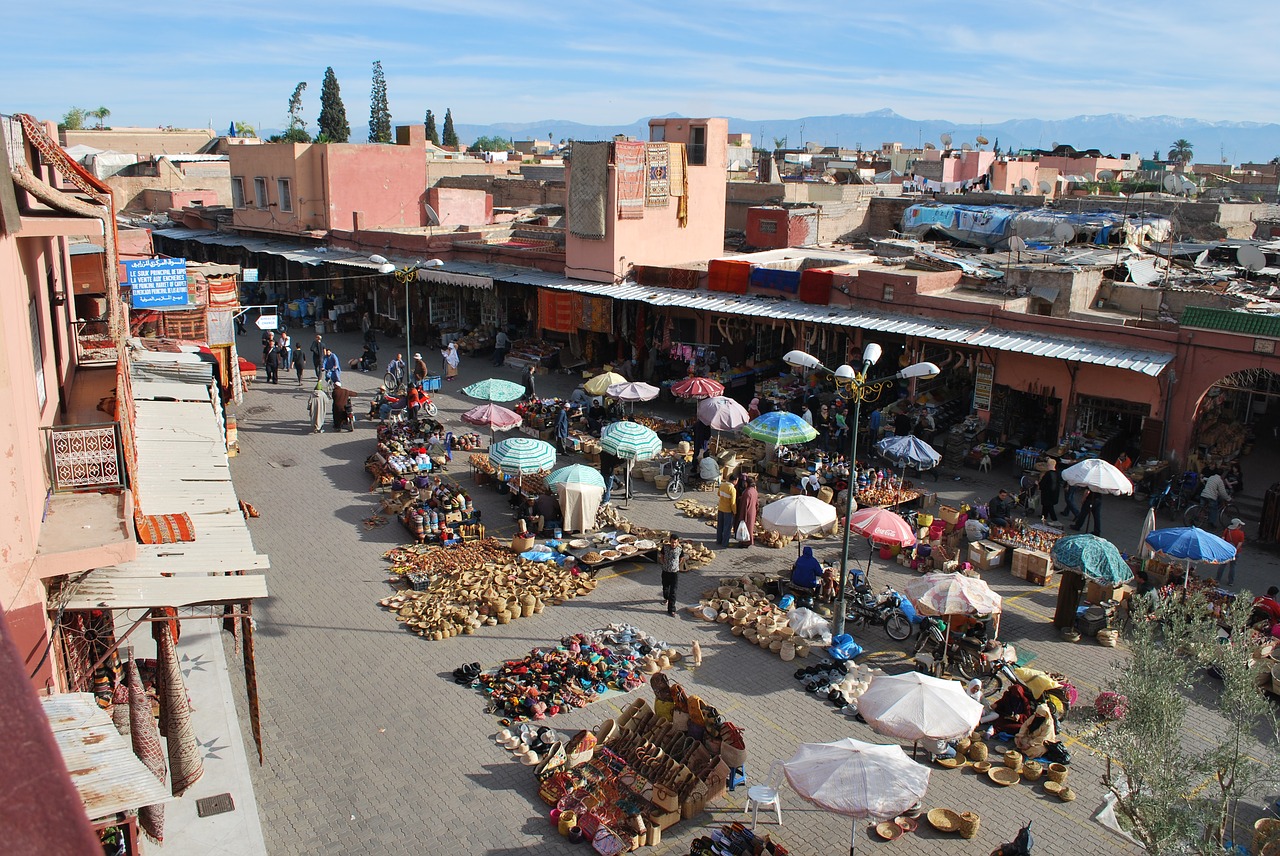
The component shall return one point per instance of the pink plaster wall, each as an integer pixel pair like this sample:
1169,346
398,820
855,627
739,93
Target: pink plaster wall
1088,167
461,207
657,239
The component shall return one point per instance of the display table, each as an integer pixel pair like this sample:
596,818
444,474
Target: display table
1035,536
891,499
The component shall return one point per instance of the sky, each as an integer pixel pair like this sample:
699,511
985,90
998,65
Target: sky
199,65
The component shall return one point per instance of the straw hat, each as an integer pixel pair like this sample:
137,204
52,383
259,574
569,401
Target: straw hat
528,757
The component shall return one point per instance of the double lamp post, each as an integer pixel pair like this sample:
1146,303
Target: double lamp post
405,275
853,385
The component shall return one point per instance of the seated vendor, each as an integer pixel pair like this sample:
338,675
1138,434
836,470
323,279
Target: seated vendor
975,529
1000,508
1266,607
708,468
546,512
579,397
806,573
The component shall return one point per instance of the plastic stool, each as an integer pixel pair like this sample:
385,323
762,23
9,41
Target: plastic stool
737,776
766,795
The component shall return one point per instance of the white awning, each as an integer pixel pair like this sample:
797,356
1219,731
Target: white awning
111,588
444,277
109,777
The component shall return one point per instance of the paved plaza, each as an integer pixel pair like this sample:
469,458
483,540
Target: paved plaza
371,748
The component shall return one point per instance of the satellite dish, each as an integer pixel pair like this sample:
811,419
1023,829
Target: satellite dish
1187,185
928,147
982,141
1045,187
1106,175
1024,186
965,147
1251,258
1064,232
433,219
1202,260
1171,183
1016,244
945,139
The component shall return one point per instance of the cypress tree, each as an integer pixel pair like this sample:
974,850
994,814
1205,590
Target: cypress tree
379,111
450,137
433,136
333,115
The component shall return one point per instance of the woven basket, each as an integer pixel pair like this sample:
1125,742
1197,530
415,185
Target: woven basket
1057,773
1013,760
969,823
978,751
1265,831
1032,771
661,482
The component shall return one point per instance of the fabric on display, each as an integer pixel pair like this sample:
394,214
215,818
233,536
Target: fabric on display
146,745
677,171
185,762
685,278
222,292
728,275
652,275
595,313
682,206
557,311
787,281
164,528
816,285
588,189
629,157
658,158
578,505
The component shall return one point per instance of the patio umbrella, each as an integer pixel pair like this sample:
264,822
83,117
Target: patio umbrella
722,414
916,707
951,594
494,389
493,416
1094,557
600,384
632,391
1099,477
630,442
882,526
798,515
779,428
1191,544
576,474
522,454
909,451
856,779
697,387
1148,526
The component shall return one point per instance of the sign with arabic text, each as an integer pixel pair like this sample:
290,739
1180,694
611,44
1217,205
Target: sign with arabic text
157,282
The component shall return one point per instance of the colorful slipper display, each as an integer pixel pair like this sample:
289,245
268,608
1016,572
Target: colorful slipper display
578,671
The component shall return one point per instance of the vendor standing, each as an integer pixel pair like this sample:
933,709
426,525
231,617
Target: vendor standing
419,368
562,428
728,496
501,347
527,380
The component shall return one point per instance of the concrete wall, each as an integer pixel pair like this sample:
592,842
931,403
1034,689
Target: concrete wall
844,209
439,169
658,239
165,200
140,141
1145,300
510,192
1077,289
128,186
458,207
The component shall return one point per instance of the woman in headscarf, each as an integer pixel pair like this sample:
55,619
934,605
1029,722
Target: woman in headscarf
451,360
1036,732
748,506
318,407
807,571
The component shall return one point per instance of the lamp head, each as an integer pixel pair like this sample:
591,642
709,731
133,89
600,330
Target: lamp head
430,263
846,373
802,360
386,267
378,260
920,370
871,353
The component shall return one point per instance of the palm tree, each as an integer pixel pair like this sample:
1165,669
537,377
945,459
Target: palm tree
1181,152
101,115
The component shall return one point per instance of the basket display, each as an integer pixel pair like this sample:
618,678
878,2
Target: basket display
1004,776
943,819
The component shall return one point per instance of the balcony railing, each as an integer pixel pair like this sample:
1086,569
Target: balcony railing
93,343
86,457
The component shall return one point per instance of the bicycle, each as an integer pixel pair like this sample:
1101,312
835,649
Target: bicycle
1208,512
394,382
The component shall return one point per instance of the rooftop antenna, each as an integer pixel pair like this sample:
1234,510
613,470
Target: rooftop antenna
1251,259
945,139
1045,187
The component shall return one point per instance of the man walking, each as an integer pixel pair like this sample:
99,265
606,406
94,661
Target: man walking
527,380
343,408
317,354
397,368
562,429
501,347
670,557
724,513
274,354
1233,535
299,363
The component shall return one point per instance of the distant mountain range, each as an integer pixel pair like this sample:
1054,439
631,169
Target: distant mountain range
1112,133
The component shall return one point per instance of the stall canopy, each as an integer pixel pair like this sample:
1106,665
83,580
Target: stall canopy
579,503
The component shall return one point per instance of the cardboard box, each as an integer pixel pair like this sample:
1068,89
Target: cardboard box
986,555
1039,577
1026,561
949,514
1096,592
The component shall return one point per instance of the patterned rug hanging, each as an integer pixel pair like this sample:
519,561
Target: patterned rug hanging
629,157
658,157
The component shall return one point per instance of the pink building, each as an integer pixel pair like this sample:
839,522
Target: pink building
311,188
953,164
641,212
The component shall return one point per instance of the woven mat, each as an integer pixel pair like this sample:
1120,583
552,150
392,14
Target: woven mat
629,157
588,189
164,528
658,185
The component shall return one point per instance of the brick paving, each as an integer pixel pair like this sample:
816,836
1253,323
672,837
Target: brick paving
371,748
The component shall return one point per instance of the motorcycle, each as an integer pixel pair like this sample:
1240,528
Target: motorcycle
888,609
971,653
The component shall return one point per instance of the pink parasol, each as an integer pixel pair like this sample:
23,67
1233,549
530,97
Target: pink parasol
492,416
882,527
697,387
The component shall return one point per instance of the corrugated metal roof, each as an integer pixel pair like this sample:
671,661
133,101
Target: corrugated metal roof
109,777
1145,362
182,467
1231,321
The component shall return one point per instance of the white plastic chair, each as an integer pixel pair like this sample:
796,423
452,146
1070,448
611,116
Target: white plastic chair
766,795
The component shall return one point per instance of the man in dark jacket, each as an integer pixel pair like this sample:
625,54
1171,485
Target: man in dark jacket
343,408
317,353
1050,490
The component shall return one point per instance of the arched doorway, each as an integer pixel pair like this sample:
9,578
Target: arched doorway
1238,422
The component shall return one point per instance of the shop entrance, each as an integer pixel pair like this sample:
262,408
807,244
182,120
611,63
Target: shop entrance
1024,418
1238,421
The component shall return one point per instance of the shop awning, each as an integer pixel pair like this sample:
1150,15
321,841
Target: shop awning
110,588
447,277
109,777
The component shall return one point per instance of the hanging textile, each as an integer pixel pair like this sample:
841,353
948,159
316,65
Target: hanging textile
677,169
787,281
685,278
658,157
146,745
652,275
682,206
815,286
186,765
120,709
588,189
596,313
629,158
728,275
557,311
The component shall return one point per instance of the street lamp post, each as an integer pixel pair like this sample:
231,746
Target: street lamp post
405,275
853,385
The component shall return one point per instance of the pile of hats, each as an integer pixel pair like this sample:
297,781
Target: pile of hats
529,745
580,670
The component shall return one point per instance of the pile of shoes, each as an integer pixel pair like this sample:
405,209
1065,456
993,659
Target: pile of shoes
841,682
467,675
735,838
528,744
